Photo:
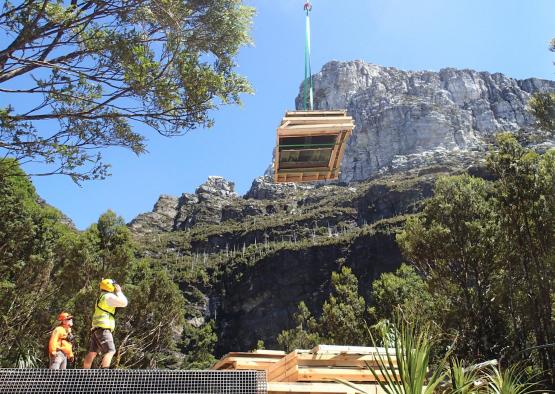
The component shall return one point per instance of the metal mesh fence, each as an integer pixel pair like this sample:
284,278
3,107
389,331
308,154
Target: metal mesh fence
96,381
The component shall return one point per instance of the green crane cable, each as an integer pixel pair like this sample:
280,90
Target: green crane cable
308,96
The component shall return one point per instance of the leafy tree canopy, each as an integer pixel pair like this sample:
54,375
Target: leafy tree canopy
86,73
487,249
47,267
542,105
404,289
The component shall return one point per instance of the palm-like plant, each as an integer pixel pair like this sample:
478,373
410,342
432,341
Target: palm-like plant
462,379
512,380
406,371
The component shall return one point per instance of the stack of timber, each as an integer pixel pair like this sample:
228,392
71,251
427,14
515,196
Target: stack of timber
318,370
259,360
310,145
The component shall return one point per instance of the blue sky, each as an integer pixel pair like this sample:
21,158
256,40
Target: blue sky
508,36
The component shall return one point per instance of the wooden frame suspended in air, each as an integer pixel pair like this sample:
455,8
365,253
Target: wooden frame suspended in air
310,145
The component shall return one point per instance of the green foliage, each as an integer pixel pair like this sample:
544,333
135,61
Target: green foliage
542,105
46,267
343,320
525,202
304,335
462,379
28,234
98,69
512,380
151,325
198,346
403,289
404,366
344,315
486,249
453,244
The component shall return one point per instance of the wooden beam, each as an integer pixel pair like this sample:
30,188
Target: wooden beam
303,170
340,112
279,368
329,374
351,349
314,120
276,159
322,388
317,127
334,152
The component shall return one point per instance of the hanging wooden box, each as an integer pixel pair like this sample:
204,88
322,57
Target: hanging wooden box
310,145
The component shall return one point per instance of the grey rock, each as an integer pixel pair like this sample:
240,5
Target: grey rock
206,206
160,219
264,188
216,186
409,117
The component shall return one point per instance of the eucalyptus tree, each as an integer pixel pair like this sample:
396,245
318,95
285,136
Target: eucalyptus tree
77,76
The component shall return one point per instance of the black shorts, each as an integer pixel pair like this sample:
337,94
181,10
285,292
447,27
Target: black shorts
102,341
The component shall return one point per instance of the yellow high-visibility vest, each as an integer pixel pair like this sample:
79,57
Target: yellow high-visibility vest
103,316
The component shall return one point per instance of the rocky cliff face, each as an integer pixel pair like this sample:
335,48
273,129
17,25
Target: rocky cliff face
410,118
246,262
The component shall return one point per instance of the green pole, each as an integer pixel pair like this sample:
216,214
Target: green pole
308,97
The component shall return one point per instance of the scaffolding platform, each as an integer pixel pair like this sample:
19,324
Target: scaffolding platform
100,381
310,145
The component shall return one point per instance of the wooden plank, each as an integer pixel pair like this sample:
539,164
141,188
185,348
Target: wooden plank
327,374
222,364
301,133
252,366
341,356
353,363
314,120
303,170
350,349
304,177
333,359
242,357
333,156
340,112
342,151
315,127
300,167
279,368
269,353
276,159
290,369
322,388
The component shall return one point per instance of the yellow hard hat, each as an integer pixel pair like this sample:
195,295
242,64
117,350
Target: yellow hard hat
107,285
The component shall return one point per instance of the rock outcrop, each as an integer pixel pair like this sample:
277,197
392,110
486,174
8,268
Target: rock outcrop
179,213
407,118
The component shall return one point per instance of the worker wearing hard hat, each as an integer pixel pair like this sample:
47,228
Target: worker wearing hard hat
59,347
104,323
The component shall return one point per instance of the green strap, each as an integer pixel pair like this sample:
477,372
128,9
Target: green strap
308,88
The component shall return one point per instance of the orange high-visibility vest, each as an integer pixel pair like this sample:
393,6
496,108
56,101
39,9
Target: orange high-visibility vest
58,341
